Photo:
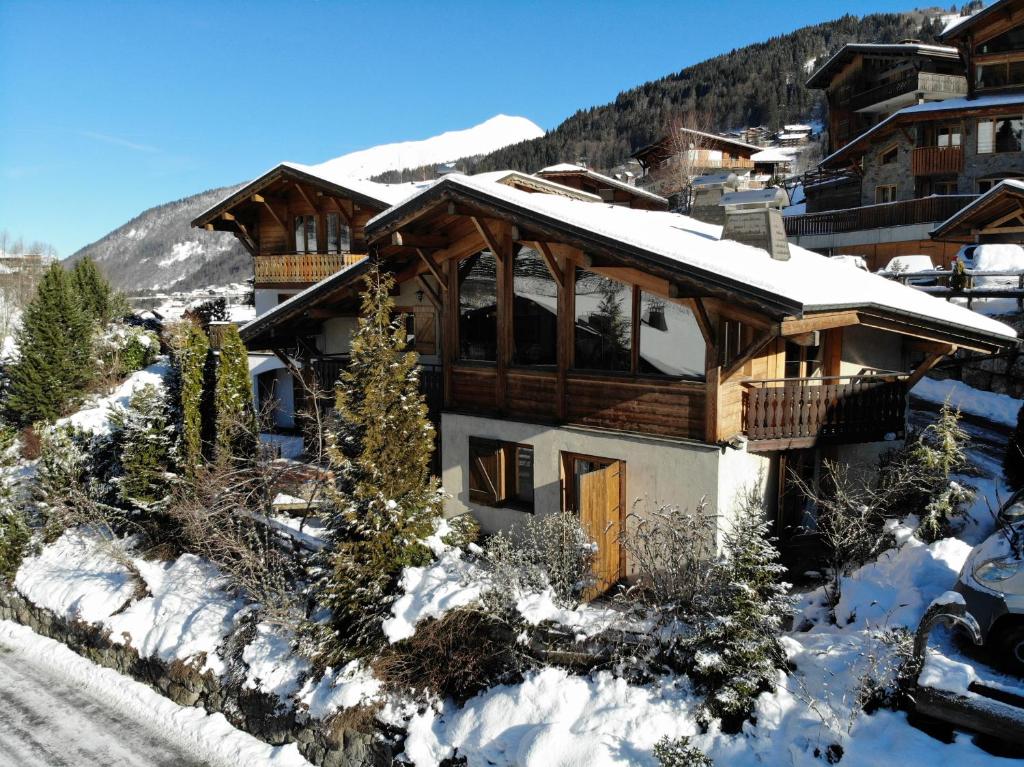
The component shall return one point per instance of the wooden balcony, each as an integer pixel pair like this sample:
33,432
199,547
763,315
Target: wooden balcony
930,83
937,160
802,412
300,268
922,210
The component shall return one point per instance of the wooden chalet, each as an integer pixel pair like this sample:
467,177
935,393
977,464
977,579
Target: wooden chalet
596,358
991,46
698,152
605,187
995,217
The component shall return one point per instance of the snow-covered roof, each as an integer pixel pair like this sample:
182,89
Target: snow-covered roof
797,128
702,134
773,154
791,136
538,183
957,27
566,167
1009,184
949,105
807,282
822,75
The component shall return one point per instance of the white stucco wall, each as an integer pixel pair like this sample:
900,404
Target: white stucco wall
869,348
265,299
284,387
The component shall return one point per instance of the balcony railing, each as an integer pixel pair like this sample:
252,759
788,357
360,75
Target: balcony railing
937,160
842,409
301,268
918,82
922,210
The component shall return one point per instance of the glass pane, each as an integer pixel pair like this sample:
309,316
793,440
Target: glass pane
670,339
1013,40
524,474
300,236
1008,134
992,75
534,310
604,311
345,238
478,308
311,234
986,136
332,232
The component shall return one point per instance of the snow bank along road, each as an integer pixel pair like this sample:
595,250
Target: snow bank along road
57,709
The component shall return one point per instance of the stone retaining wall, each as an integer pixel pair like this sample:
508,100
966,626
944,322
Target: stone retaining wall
1003,374
255,712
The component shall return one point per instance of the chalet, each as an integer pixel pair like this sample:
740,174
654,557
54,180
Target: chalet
607,188
995,217
598,358
672,161
881,191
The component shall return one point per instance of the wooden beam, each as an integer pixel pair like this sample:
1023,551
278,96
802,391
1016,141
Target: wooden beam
433,267
429,292
342,212
926,364
277,218
552,262
208,227
257,198
305,196
413,240
756,345
487,235
707,329
795,327
227,216
1013,214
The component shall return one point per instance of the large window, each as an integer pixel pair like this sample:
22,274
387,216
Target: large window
305,234
478,308
1011,40
1000,74
1002,134
885,193
339,238
604,324
500,474
534,311
670,339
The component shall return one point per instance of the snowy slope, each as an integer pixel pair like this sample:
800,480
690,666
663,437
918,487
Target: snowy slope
159,249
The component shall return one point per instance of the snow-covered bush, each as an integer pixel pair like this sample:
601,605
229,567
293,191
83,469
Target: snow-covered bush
14,529
552,550
121,349
63,482
145,441
679,753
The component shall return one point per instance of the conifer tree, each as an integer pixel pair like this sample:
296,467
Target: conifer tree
146,449
737,620
384,502
236,422
14,530
99,300
191,349
54,349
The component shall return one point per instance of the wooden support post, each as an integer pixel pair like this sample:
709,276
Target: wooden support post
432,266
506,296
926,364
713,388
565,317
556,273
757,344
277,218
707,329
492,242
305,196
450,328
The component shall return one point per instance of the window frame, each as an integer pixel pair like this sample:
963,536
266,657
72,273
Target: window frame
504,488
895,149
304,218
892,195
994,147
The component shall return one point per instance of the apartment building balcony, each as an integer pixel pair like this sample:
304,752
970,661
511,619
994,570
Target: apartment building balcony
923,210
937,160
802,412
909,90
300,269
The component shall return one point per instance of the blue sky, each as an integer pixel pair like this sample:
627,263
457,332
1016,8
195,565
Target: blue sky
108,108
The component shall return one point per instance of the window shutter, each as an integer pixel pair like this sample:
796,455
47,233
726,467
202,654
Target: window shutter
485,485
426,333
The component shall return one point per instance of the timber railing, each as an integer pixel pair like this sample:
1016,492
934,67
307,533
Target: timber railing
937,282
794,412
931,82
936,160
922,210
301,268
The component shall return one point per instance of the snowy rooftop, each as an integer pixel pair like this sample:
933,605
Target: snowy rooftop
773,154
1008,184
567,167
949,105
808,280
818,78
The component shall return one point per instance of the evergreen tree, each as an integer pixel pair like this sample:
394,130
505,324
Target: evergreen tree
54,349
737,620
1013,461
14,530
146,449
191,349
99,300
236,422
384,502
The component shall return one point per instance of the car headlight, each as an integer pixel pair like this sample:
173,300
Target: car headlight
998,570
1013,512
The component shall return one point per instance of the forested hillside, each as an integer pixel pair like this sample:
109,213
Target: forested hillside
760,84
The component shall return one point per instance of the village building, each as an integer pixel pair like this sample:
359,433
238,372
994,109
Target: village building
602,359
672,162
607,188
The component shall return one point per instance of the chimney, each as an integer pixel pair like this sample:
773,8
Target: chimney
755,218
707,193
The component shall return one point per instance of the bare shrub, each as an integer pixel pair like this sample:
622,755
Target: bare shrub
458,655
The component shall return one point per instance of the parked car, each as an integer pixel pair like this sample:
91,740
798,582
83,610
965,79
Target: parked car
1013,509
992,257
857,262
910,264
992,585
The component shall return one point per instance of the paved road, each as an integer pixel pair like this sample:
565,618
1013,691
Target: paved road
47,721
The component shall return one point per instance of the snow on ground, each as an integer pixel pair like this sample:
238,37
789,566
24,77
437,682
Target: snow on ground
274,666
75,709
96,419
998,408
350,686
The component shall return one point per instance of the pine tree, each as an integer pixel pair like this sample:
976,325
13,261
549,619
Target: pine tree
191,349
384,501
236,422
14,530
1013,462
146,451
54,350
737,620
99,300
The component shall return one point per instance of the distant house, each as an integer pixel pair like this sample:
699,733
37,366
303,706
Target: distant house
607,188
917,132
672,161
596,358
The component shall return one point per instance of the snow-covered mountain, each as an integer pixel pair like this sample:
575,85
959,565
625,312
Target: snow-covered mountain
158,250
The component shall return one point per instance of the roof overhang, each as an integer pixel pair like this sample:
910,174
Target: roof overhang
822,76
1002,200
955,33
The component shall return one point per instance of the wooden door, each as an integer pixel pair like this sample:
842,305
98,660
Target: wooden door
600,509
